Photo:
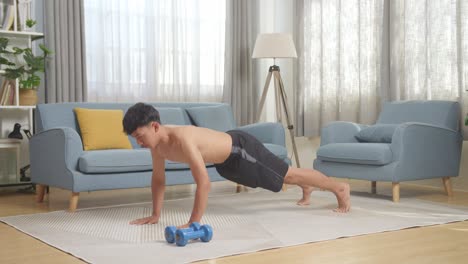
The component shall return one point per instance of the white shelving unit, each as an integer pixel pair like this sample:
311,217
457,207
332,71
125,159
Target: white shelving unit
16,113
9,161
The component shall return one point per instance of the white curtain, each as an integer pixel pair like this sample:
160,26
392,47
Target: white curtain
355,54
428,49
340,46
146,50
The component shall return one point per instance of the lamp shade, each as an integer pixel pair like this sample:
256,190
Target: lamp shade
274,45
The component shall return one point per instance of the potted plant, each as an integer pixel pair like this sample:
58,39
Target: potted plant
25,71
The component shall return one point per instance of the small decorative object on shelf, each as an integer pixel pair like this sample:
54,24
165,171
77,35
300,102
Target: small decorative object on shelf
16,133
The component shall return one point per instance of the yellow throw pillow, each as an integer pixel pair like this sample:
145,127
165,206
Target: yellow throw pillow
102,129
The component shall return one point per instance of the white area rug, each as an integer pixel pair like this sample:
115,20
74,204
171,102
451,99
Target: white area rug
245,222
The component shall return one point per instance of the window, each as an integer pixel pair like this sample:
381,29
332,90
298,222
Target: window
165,50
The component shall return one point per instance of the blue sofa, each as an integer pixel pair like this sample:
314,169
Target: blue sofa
411,140
58,159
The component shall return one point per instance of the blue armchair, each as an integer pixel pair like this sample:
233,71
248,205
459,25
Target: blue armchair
411,140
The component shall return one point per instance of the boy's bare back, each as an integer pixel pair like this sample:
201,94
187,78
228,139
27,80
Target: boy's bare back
176,142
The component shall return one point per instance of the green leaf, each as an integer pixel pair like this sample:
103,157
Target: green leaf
45,49
5,61
30,23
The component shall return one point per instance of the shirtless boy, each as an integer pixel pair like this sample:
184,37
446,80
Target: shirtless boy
237,156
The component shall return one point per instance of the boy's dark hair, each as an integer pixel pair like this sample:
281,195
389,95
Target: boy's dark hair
139,115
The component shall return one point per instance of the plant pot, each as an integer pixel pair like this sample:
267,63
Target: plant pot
27,97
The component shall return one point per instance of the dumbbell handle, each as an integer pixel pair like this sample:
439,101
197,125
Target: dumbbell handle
189,234
183,236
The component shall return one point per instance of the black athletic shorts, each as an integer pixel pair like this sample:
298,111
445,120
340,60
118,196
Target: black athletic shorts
251,164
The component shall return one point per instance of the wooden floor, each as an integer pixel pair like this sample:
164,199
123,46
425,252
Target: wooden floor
435,244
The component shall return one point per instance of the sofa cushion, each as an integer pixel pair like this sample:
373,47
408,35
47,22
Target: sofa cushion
171,116
115,160
215,117
102,129
122,160
356,153
381,133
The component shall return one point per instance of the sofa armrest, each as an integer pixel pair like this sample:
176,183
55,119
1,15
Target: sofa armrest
421,148
272,133
54,156
340,132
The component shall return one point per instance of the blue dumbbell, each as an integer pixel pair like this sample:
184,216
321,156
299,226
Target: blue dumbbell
205,233
170,231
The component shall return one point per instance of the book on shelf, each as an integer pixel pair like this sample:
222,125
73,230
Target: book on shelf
3,91
11,93
8,13
7,95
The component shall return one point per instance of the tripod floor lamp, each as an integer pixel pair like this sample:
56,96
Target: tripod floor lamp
276,45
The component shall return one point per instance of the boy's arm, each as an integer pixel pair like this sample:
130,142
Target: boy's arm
200,175
158,185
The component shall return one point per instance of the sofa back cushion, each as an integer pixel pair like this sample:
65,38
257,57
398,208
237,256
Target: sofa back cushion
214,117
171,116
440,113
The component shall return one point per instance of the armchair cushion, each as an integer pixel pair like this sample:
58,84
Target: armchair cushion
357,153
380,133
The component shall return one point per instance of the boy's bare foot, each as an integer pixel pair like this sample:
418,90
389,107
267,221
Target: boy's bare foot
306,191
343,197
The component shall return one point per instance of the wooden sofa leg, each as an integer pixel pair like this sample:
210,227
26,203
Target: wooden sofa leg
40,192
396,191
285,187
447,186
73,202
373,187
238,188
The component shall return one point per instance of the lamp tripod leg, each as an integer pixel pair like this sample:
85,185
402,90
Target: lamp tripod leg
288,120
277,99
264,93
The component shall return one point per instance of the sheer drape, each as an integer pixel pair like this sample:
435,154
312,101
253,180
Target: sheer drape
356,54
339,62
428,49
145,50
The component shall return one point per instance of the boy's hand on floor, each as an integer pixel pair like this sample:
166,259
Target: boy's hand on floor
146,220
